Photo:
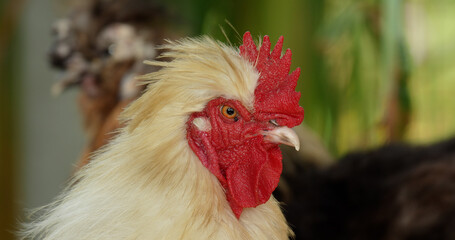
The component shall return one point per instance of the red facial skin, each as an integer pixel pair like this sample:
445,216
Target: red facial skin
234,149
235,152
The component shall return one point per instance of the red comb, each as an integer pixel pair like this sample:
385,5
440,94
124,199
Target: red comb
275,92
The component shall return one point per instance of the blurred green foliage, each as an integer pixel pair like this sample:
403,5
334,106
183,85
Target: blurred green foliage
9,75
373,71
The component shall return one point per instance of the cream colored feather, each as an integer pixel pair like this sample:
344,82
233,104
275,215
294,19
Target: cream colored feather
147,183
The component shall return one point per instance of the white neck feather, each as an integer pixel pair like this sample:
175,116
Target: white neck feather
139,190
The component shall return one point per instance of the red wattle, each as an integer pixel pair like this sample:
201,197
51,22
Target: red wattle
254,173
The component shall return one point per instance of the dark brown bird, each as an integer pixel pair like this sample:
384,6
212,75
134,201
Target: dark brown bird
100,47
396,192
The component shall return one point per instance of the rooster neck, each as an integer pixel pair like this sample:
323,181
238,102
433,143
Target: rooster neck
161,191
194,201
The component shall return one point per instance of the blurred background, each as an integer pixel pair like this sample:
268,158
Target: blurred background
373,72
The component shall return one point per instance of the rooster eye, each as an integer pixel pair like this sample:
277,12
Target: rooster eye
229,112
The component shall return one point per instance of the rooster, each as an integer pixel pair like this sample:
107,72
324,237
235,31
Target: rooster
198,157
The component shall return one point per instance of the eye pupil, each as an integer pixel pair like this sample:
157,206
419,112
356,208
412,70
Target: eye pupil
230,111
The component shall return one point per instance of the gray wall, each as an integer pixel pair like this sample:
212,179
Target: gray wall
51,135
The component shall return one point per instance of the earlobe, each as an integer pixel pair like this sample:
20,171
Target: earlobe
202,124
199,141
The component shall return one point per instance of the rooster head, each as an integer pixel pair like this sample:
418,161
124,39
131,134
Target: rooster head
237,141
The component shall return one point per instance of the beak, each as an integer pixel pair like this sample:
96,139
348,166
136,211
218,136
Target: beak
283,135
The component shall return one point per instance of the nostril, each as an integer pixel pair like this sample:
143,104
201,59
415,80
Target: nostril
274,123
252,135
260,128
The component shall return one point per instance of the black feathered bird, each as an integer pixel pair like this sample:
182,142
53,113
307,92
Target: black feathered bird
396,192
